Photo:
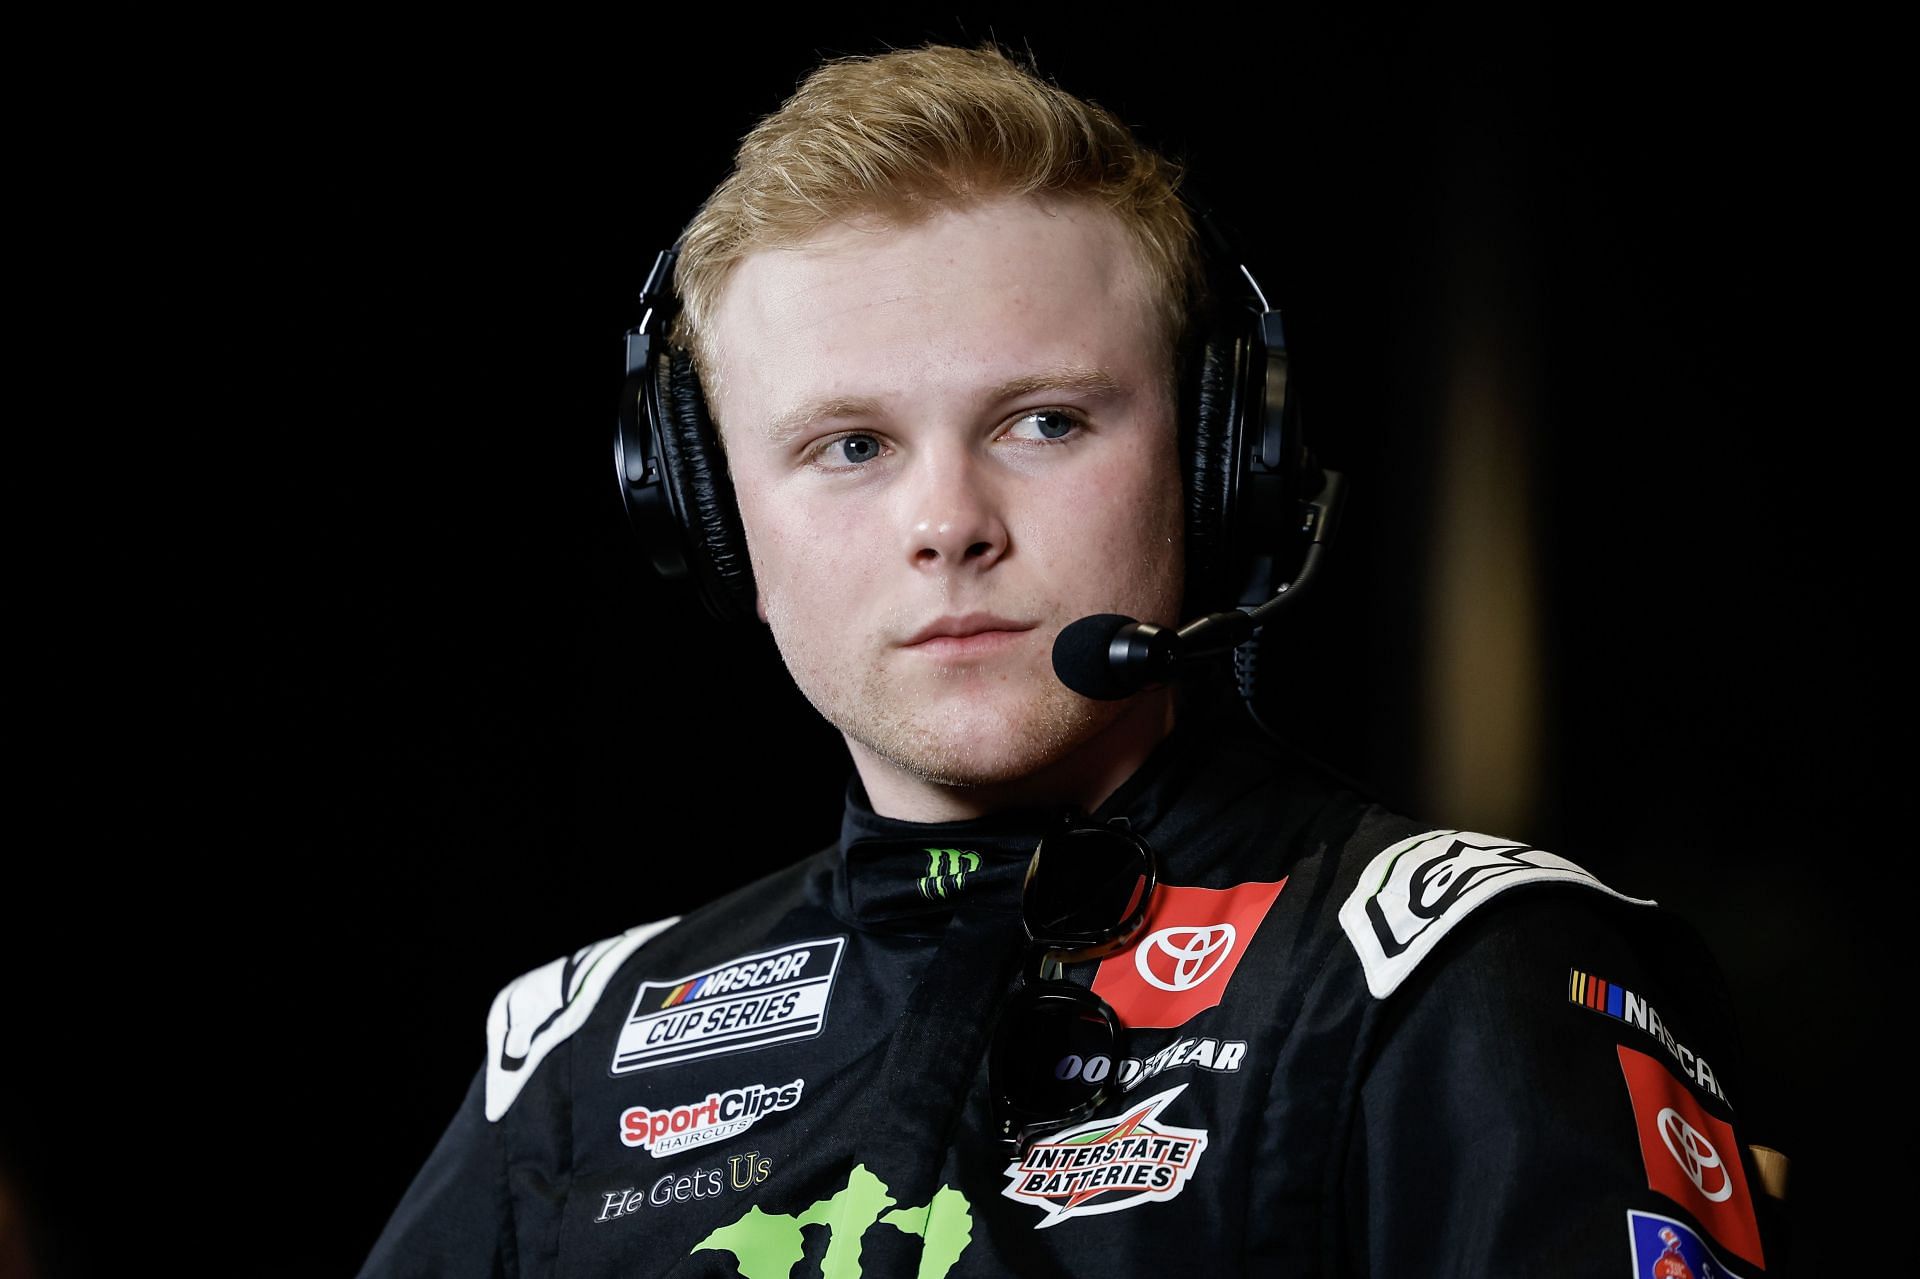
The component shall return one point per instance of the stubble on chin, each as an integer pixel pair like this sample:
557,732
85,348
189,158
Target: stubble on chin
972,733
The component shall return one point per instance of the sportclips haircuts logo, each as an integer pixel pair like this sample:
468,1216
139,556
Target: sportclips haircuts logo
772,997
721,1115
1108,1165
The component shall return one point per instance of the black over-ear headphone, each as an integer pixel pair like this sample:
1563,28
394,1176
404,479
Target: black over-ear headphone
1250,481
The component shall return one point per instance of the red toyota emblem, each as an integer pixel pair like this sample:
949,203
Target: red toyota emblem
1695,1155
1193,941
1181,958
1691,1157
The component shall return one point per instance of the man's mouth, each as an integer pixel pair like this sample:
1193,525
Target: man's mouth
967,635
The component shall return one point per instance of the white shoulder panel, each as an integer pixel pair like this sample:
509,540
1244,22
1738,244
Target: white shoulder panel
1411,894
540,1009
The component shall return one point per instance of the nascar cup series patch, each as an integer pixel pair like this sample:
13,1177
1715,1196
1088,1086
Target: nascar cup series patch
772,997
1412,894
1108,1165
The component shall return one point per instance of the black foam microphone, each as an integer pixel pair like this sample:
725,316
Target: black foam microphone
1108,657
1080,656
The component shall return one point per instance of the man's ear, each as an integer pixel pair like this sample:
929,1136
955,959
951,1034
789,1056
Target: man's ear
760,605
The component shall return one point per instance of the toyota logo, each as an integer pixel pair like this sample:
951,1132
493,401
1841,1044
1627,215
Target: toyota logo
1194,955
1694,1153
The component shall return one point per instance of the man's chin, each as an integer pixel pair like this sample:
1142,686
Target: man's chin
982,746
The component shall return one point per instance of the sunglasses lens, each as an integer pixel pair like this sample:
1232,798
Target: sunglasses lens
1087,887
1054,1056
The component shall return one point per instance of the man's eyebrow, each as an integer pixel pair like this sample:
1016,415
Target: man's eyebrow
784,427
1073,378
1068,377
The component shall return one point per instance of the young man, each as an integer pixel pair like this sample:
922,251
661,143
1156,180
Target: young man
942,315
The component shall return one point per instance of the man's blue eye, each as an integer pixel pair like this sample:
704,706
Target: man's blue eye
1051,423
859,448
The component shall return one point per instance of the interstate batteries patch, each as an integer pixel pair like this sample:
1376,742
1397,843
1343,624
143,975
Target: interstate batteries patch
755,1001
1109,1164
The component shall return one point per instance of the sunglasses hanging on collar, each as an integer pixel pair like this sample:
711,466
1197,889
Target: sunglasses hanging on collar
1057,1047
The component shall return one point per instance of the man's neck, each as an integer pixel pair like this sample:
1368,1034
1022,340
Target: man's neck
1084,777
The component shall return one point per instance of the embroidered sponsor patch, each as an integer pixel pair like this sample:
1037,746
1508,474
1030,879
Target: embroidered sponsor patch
947,871
1621,1004
743,1172
722,1115
1222,1056
755,1001
1691,1157
542,1008
1667,1249
1412,894
1187,952
768,1245
1108,1165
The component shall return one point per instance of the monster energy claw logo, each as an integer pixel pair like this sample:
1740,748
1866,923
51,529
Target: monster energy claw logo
957,862
767,1245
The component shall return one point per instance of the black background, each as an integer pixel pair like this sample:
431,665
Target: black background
361,702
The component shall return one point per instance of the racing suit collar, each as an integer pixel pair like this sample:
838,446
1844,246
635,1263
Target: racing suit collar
898,874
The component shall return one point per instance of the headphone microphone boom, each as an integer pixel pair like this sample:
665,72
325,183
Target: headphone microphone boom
1108,657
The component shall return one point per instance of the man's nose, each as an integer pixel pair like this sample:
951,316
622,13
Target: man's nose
954,518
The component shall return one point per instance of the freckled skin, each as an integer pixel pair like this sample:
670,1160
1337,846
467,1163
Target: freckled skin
952,500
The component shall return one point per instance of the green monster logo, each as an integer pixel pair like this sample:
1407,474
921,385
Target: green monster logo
766,1246
958,861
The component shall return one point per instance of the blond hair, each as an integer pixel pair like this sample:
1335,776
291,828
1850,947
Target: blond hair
905,133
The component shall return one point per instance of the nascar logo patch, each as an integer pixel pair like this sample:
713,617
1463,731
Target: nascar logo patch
1108,1165
755,1001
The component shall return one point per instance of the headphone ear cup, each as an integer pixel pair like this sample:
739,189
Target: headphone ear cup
694,470
1211,453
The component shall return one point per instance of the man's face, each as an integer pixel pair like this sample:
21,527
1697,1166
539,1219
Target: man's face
949,441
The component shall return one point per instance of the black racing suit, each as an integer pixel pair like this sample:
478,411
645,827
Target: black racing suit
1356,1047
